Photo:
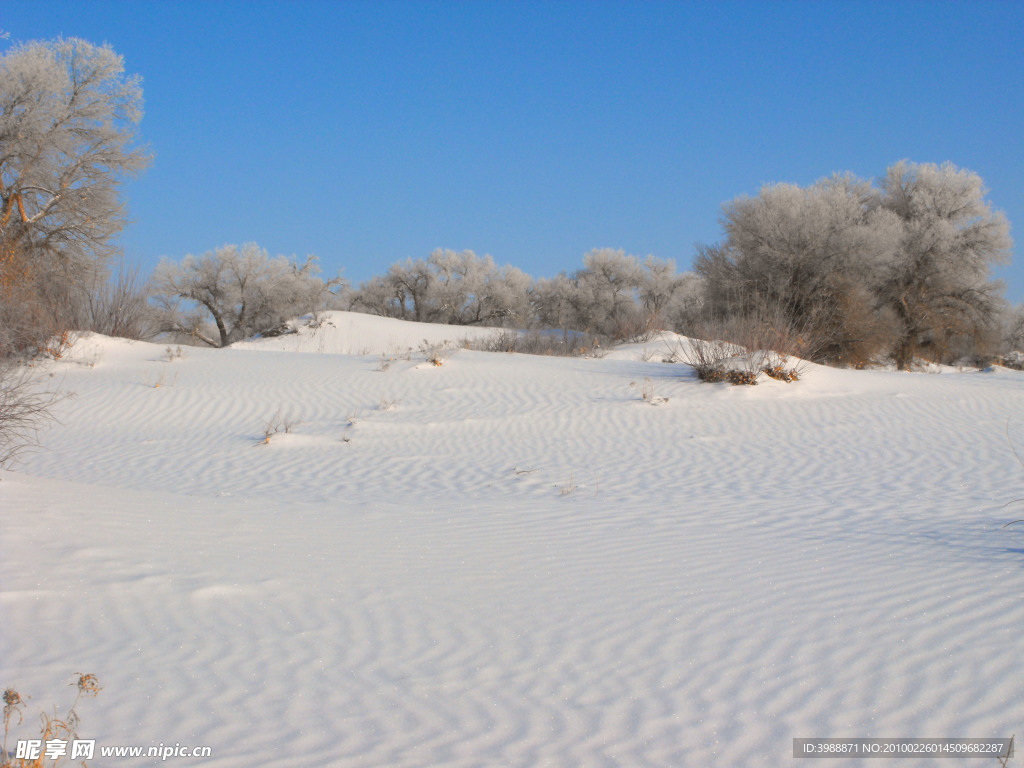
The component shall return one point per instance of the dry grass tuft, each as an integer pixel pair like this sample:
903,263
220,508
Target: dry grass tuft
647,392
173,353
568,488
163,381
277,424
53,727
57,346
435,354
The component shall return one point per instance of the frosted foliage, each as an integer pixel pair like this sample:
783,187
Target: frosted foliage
240,288
938,284
892,267
792,242
67,124
470,290
457,288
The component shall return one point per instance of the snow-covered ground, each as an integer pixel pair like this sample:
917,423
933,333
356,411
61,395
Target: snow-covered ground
511,560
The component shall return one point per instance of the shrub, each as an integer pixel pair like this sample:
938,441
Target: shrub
552,343
740,349
25,408
114,305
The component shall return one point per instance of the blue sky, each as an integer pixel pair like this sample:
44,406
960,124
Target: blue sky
370,132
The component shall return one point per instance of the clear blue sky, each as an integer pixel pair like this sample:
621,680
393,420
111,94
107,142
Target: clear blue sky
370,132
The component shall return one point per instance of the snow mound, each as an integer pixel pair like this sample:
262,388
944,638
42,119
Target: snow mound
353,333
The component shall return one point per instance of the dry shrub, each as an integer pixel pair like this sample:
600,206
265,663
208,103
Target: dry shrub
277,423
115,306
635,327
25,409
25,324
35,312
856,331
551,343
52,726
739,349
707,357
1014,360
781,373
435,354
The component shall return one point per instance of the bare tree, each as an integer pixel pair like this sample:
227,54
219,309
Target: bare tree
241,289
938,285
114,305
68,115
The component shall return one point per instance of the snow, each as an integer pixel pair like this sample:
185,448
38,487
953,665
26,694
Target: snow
351,333
511,560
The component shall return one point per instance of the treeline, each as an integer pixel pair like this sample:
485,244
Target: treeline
235,292
854,270
614,295
843,271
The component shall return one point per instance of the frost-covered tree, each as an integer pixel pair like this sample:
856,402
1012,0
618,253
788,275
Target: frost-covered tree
507,299
457,288
685,303
410,285
555,302
938,285
471,290
240,289
892,267
665,295
375,297
614,295
68,118
813,252
608,286
1012,327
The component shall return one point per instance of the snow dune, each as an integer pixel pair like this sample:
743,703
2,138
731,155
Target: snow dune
511,560
351,333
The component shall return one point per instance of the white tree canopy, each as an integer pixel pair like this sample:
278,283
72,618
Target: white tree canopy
68,115
240,288
938,284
